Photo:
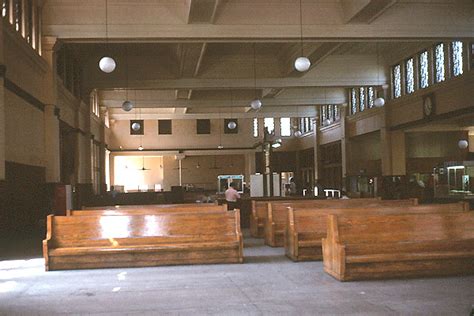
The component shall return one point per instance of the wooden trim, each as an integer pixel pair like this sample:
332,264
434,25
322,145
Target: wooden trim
18,91
182,149
435,117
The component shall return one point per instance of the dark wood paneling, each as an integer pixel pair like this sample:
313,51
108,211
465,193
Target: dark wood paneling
25,199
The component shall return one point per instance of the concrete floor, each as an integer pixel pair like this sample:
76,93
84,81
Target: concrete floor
268,283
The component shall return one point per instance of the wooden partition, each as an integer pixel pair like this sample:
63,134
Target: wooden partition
148,206
83,242
146,209
277,213
305,228
393,246
259,212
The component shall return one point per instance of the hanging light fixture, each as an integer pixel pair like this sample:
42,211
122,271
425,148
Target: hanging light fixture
302,63
127,105
232,124
256,103
379,102
463,144
107,64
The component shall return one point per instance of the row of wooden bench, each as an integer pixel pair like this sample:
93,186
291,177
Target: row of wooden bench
369,238
143,236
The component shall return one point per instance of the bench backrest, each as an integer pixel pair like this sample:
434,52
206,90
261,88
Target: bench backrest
278,211
400,228
145,210
315,219
158,206
83,231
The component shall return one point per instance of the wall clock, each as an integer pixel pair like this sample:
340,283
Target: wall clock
428,106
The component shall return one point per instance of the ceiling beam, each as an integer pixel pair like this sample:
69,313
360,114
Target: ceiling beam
278,102
202,11
246,83
189,116
364,11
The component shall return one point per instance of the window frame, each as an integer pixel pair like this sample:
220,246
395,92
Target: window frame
287,128
166,131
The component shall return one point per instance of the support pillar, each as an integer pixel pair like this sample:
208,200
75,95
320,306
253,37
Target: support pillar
398,153
51,145
316,148
249,166
345,147
51,121
2,107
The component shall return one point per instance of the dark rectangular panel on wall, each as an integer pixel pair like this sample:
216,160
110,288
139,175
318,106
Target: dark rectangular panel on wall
25,199
203,126
165,127
281,161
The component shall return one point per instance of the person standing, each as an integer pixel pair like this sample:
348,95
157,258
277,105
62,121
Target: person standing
231,196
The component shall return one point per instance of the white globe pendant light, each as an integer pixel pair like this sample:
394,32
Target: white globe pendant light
379,102
256,104
298,133
107,64
127,106
231,125
462,144
136,126
302,64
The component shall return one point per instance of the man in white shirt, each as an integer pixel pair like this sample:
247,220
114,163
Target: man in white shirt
231,196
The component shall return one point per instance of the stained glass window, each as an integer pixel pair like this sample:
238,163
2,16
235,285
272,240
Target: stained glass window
255,127
397,82
285,126
409,76
456,58
269,124
424,77
323,113
331,113
362,99
439,62
370,97
353,101
5,7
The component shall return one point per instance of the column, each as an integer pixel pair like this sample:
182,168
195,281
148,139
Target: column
345,146
316,147
249,166
51,121
385,146
398,153
2,108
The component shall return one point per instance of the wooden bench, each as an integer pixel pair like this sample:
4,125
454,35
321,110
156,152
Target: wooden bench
277,213
260,211
83,242
305,228
393,246
122,207
145,210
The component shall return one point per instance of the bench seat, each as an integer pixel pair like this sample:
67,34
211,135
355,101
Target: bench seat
82,242
398,246
305,228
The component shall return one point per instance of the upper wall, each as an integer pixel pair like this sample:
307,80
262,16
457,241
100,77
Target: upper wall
451,95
